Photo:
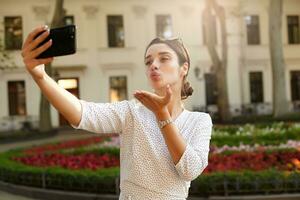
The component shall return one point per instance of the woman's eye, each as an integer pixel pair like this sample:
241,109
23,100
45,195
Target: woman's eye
148,63
164,59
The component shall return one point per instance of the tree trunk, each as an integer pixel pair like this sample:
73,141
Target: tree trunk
280,103
219,66
45,123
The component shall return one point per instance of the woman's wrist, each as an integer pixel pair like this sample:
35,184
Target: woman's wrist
39,78
37,73
163,114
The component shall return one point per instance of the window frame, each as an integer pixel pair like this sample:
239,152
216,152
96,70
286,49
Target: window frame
13,95
288,30
17,44
110,43
118,87
253,89
248,26
294,96
157,25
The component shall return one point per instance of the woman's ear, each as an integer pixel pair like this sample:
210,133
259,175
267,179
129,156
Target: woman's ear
184,69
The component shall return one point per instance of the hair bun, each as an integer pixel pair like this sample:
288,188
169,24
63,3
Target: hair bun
187,90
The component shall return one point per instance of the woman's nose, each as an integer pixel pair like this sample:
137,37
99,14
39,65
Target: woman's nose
154,66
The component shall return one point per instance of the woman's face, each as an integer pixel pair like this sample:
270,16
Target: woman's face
162,66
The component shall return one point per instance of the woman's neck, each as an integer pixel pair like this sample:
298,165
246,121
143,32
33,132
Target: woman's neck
175,106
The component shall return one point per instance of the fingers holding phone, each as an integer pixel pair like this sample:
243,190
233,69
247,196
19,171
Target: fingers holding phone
63,42
34,46
30,51
43,44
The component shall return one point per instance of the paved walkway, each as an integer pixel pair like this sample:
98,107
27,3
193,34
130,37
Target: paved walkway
9,196
62,135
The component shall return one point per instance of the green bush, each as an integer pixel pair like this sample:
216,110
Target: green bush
102,180
113,151
276,134
106,180
265,119
246,182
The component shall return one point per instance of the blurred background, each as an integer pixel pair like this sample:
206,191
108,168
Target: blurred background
245,71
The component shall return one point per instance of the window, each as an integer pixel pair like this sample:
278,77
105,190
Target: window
214,32
115,31
211,88
293,29
69,20
256,87
16,98
295,85
253,36
68,83
72,86
13,33
164,26
118,88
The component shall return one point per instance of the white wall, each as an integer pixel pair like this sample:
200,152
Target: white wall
98,62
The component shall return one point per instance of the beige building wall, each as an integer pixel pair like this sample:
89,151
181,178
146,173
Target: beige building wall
95,62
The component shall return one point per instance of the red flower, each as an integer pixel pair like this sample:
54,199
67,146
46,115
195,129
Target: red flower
84,161
64,145
256,161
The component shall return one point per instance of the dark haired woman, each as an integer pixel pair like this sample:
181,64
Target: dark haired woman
163,146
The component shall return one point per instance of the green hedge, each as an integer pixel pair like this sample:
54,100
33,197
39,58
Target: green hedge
246,182
114,151
264,119
102,180
106,180
274,135
256,128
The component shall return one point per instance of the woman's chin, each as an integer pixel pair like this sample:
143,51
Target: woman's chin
158,86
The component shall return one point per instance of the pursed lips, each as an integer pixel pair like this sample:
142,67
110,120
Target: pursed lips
154,74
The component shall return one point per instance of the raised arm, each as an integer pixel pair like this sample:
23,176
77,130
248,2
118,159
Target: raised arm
66,103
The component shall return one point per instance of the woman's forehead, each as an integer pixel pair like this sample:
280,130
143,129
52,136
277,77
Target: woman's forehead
159,48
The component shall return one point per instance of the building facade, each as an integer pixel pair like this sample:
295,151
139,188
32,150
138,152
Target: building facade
111,40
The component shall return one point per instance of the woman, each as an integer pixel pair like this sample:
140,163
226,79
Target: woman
163,146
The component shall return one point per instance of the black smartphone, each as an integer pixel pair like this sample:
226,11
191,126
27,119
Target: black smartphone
63,42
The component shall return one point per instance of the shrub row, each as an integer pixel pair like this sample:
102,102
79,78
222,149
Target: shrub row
106,180
246,182
255,136
102,180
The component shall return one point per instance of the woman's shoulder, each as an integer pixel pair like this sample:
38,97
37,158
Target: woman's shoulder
200,117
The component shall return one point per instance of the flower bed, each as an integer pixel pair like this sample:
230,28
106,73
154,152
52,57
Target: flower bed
275,134
282,160
250,147
92,165
69,165
63,145
84,161
72,154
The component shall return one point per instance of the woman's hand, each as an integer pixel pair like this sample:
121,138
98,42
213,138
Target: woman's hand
157,104
29,52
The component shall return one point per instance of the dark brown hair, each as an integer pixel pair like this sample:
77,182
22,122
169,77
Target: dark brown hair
183,56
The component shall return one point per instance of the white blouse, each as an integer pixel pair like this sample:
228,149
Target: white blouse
147,170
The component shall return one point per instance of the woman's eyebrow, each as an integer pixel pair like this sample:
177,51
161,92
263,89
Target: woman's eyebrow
149,56
164,53
160,53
